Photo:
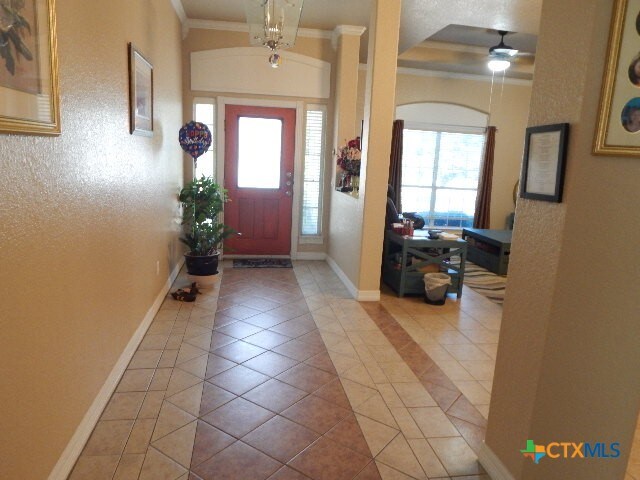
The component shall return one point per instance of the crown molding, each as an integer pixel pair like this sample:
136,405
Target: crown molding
243,27
345,30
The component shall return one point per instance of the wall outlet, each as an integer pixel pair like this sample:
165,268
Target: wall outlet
157,267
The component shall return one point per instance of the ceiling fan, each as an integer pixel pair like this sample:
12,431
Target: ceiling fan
501,55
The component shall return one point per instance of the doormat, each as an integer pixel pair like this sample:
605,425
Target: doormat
262,263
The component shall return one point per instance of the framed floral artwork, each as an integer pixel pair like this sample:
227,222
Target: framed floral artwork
618,127
29,97
140,93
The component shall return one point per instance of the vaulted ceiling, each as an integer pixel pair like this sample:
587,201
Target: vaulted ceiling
442,35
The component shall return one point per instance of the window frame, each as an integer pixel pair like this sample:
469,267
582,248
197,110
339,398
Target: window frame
440,129
316,238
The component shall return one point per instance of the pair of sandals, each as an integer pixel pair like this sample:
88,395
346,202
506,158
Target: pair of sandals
186,294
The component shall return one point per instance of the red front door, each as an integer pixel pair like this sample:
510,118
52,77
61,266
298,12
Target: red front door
259,158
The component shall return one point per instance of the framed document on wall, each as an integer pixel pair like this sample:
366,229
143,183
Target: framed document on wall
545,152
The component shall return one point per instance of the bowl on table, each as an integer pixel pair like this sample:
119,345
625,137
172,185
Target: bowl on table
434,234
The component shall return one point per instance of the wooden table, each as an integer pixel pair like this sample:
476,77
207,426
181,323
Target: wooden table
489,248
420,251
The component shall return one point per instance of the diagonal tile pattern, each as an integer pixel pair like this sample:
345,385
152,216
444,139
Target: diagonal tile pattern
277,374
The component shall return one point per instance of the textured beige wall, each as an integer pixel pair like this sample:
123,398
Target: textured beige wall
379,113
509,112
207,39
83,219
568,361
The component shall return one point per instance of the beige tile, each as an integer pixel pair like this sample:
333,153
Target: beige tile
181,380
344,348
201,341
160,467
197,366
481,336
437,353
129,467
123,406
161,379
377,374
374,338
376,409
398,455
151,405
454,371
360,375
427,458
407,424
189,352
484,410
95,467
490,349
140,436
343,363
108,438
474,392
179,445
145,359
188,400
479,369
135,380
384,353
159,327
389,395
451,337
414,395
168,359
153,342
174,342
194,330
377,435
398,372
456,456
357,393
170,419
433,422
388,473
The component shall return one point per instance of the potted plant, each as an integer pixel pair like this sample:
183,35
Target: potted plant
202,202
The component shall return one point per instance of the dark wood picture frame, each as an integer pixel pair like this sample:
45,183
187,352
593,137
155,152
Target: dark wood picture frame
140,93
543,164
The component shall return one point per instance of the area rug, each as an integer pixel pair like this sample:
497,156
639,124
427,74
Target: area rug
484,282
262,263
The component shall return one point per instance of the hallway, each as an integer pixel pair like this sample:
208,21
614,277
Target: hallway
276,374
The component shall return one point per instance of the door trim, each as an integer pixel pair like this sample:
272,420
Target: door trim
297,160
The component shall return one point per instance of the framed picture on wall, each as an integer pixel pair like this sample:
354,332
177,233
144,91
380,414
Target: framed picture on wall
545,152
140,93
618,127
29,98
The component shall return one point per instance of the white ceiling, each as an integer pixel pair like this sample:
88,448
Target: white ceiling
430,30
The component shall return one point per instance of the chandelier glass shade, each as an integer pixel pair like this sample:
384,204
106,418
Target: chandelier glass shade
273,24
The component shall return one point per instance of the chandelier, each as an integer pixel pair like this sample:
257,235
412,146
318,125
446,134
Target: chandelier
273,24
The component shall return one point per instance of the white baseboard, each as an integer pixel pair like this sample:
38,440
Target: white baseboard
492,464
70,455
368,296
310,256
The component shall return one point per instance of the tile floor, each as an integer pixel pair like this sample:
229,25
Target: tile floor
276,374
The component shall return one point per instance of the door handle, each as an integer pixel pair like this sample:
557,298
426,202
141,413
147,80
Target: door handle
288,174
288,193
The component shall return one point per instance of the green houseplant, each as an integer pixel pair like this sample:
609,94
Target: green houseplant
202,202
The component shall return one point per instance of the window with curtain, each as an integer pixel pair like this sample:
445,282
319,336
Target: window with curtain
204,111
311,210
440,171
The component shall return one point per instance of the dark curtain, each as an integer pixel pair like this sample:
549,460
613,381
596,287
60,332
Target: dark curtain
395,165
482,219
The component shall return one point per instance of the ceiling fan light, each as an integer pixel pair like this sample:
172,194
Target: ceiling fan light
498,65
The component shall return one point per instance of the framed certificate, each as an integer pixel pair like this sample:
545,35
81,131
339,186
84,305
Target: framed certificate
545,152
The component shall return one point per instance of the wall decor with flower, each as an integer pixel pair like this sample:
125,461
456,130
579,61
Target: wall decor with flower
348,158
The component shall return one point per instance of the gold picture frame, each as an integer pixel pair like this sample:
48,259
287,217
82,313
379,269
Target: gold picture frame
140,93
618,126
29,95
